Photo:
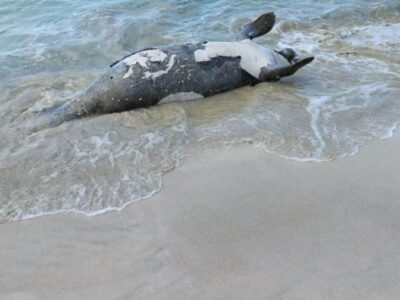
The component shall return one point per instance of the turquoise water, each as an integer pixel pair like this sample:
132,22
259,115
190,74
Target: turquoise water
50,50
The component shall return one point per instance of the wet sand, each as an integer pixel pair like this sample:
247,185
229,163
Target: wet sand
234,223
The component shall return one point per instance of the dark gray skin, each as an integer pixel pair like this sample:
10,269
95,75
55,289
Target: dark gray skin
205,78
112,92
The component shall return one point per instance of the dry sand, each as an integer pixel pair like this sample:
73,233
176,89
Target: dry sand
233,223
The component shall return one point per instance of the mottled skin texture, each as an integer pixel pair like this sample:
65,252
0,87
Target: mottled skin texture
205,78
111,92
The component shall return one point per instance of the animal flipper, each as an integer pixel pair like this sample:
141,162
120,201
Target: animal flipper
275,74
262,25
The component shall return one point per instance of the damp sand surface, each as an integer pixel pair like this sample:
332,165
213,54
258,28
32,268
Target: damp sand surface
235,223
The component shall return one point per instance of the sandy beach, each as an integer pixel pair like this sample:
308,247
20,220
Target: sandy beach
235,223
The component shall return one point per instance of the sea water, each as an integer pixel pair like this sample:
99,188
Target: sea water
52,49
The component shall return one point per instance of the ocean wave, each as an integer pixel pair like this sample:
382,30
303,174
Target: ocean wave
100,165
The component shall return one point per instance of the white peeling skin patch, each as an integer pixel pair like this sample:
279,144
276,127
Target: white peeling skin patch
154,75
142,58
184,96
253,56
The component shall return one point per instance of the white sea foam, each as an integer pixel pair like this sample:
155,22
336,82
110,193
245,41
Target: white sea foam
377,35
390,131
314,108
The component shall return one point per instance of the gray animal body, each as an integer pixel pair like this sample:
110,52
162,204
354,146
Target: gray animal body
181,72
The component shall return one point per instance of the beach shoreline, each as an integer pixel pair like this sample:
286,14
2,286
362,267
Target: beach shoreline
229,223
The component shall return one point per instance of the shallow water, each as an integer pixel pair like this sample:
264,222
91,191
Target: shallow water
53,49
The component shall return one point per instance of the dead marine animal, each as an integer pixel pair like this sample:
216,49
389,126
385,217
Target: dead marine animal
179,73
